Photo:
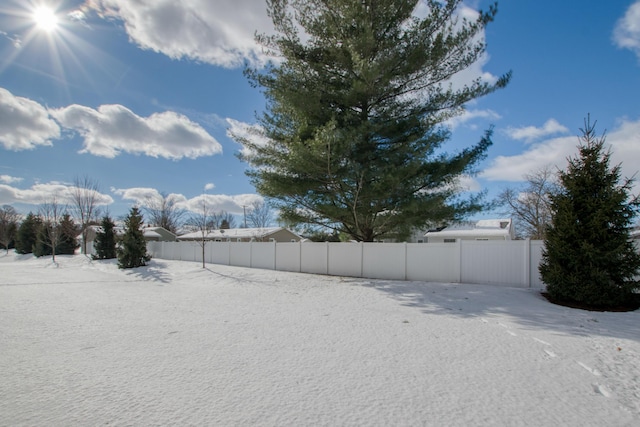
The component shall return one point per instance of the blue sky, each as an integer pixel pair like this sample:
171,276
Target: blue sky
141,95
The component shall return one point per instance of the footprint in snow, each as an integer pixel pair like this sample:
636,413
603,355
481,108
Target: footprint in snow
600,389
509,331
542,342
591,370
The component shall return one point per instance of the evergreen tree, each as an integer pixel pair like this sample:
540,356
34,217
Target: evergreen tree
27,235
133,250
105,243
589,257
353,132
67,243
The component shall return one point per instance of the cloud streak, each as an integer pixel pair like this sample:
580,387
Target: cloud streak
215,202
114,129
532,133
40,193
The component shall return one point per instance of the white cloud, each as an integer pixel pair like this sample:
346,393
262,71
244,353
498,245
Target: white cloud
8,179
140,195
39,193
532,133
238,130
468,183
470,115
626,33
112,129
215,202
624,142
209,186
218,32
24,124
221,202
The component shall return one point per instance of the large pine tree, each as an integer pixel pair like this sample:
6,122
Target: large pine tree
353,132
105,243
589,258
132,252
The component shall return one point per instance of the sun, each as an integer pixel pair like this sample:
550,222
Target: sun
45,18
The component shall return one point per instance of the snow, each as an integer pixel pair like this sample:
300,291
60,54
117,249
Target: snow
85,343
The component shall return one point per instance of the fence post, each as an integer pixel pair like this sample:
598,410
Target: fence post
361,258
527,263
459,244
405,261
275,255
327,243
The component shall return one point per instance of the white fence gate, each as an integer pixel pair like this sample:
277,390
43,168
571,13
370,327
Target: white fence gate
510,263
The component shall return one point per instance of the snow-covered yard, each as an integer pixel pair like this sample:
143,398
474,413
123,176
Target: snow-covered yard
175,344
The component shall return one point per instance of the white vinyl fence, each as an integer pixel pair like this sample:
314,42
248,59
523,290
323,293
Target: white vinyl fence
510,263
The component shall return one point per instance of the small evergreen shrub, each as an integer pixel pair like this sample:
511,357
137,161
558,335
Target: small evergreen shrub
105,243
132,252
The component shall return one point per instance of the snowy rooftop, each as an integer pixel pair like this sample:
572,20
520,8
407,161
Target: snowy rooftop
484,227
233,233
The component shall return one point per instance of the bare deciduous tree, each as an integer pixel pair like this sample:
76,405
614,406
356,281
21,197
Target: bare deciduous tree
85,195
9,218
163,210
223,219
531,206
51,212
259,214
202,223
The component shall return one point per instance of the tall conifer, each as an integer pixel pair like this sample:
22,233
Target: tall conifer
589,258
354,127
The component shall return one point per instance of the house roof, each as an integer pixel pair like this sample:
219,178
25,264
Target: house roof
234,233
484,227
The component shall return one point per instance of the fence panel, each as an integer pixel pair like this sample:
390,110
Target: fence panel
288,257
345,259
313,257
220,252
535,257
240,254
263,255
384,261
433,262
494,262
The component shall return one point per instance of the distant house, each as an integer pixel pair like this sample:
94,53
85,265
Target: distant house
486,229
158,234
151,234
265,234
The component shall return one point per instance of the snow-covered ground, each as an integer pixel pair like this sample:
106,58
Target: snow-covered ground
174,344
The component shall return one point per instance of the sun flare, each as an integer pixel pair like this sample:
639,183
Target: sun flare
45,18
